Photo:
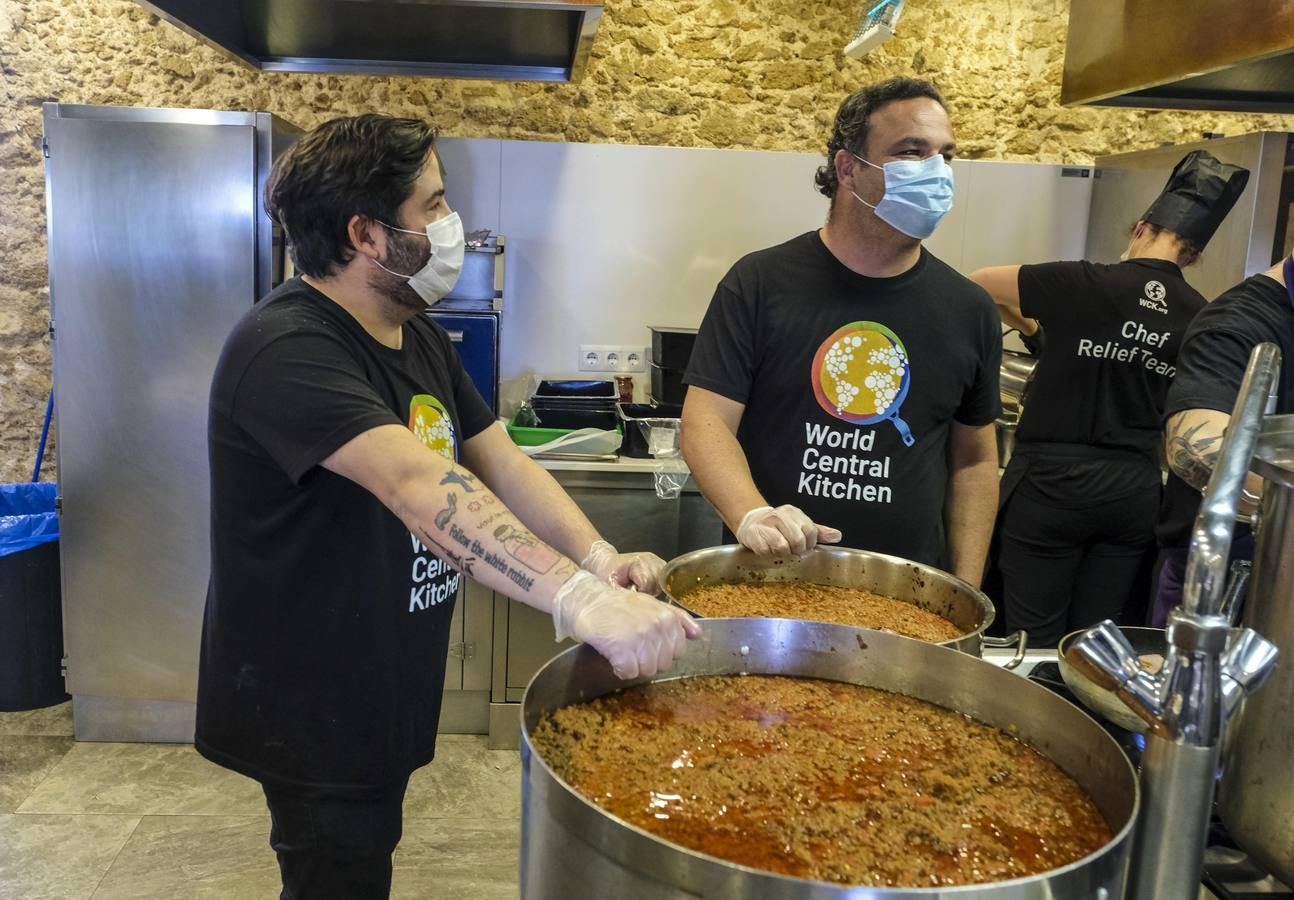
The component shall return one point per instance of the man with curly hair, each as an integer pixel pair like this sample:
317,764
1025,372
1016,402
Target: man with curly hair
844,384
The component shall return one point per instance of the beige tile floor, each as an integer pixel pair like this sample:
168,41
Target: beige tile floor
93,821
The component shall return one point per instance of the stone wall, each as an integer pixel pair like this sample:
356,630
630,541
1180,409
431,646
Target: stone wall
763,74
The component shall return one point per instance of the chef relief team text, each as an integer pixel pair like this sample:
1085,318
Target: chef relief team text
1137,354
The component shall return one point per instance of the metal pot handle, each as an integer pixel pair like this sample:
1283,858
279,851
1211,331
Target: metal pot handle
1020,640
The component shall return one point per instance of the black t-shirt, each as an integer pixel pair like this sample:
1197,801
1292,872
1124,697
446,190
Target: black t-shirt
850,384
1113,335
1209,371
327,623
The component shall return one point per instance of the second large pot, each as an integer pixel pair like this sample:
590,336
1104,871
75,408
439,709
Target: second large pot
923,586
1254,798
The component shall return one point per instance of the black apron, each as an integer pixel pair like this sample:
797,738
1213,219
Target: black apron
1017,468
1031,451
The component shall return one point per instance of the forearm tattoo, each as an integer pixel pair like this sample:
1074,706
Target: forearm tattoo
466,481
520,558
525,549
451,506
1192,455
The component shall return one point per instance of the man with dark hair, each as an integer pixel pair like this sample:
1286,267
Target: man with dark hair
1210,368
355,473
1082,490
843,385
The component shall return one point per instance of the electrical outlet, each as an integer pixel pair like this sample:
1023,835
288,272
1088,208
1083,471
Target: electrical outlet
612,358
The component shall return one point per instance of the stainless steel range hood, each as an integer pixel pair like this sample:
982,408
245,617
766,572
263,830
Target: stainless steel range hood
516,40
1181,54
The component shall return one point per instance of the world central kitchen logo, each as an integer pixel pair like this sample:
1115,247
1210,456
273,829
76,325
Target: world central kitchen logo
1154,299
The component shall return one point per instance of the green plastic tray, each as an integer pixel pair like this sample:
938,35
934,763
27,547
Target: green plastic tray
533,437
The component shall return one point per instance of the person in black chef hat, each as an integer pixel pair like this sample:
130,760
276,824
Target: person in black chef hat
1081,494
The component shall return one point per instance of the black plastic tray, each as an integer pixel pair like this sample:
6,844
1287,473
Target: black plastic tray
667,385
635,441
598,387
576,418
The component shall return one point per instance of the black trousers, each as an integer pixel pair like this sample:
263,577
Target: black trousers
335,848
1068,568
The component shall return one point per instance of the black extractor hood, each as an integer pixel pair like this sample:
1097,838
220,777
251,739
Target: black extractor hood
1181,54
515,40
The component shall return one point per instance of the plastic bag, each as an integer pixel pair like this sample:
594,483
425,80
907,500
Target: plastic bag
27,516
582,441
670,472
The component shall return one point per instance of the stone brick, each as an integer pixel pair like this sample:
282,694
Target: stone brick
720,12
657,68
756,50
633,16
724,128
661,13
694,48
787,75
734,94
671,101
177,65
820,49
646,41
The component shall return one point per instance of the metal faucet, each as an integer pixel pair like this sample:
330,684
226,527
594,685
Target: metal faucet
1207,673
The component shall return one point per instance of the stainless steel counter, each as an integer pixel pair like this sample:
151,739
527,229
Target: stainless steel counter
622,464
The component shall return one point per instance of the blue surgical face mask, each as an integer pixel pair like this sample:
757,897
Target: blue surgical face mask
918,193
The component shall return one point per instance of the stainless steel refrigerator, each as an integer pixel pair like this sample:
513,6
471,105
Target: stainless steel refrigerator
158,242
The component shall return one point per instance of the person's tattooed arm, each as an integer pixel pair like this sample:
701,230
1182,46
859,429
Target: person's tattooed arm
1192,442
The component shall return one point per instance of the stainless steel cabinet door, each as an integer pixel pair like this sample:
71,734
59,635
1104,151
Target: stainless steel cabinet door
152,260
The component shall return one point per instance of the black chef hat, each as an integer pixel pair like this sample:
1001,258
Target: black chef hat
1197,197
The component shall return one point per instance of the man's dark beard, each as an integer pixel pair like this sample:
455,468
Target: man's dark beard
406,254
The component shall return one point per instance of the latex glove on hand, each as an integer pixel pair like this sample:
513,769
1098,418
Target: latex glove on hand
640,571
637,634
784,531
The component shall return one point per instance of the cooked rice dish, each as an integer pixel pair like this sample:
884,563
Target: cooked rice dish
822,780
818,603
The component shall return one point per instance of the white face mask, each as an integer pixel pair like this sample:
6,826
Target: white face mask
437,277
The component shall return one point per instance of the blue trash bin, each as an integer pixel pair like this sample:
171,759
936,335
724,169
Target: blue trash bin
31,613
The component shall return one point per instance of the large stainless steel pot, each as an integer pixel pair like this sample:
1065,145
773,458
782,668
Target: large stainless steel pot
1147,642
1256,797
1015,376
572,850
923,586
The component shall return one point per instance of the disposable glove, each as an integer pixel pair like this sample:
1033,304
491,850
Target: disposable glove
640,571
637,634
784,531
1035,342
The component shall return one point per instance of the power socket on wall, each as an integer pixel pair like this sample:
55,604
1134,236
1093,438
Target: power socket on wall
612,358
